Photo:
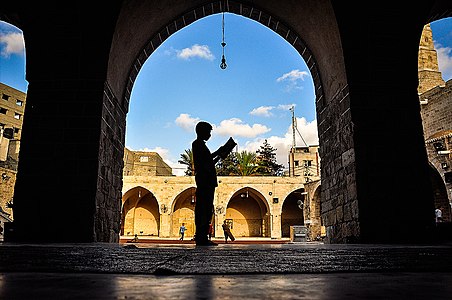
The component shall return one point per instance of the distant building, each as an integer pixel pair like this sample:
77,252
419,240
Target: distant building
305,162
12,106
142,163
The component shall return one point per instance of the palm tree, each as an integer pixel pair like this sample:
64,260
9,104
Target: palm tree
187,159
246,163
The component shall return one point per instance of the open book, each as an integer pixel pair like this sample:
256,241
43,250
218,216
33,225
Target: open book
227,148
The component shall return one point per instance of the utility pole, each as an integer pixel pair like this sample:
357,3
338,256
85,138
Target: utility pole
292,152
294,129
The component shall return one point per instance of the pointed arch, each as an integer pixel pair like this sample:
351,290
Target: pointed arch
293,211
183,211
248,212
140,213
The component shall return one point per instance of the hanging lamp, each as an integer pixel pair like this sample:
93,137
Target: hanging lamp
223,64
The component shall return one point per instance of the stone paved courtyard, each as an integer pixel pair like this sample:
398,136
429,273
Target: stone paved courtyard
227,271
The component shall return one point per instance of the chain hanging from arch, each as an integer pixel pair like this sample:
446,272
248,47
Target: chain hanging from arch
223,44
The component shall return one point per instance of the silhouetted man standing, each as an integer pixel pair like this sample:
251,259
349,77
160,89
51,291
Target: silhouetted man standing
206,181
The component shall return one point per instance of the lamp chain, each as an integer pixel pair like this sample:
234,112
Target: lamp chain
223,44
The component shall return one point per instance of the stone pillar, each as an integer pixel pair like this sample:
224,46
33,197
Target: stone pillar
339,199
275,220
165,224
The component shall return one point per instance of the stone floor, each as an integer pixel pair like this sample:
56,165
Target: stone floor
227,271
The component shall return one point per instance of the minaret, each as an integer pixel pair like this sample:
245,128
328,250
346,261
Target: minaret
429,74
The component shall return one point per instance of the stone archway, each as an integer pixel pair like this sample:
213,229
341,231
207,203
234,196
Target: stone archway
153,28
183,211
248,214
293,211
140,213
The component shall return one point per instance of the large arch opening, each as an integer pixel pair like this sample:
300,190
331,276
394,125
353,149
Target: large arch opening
248,215
434,88
13,89
140,213
177,219
293,211
183,212
237,10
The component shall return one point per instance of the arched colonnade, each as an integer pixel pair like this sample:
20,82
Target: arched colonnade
254,206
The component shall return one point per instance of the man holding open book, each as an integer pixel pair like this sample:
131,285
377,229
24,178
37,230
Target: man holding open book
206,179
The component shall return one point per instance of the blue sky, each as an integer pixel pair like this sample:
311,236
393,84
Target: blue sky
182,83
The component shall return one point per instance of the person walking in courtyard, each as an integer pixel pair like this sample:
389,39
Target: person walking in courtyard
182,230
206,180
210,230
227,232
438,215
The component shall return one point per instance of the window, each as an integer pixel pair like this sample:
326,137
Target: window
307,163
5,97
16,130
17,116
3,110
144,158
296,163
19,102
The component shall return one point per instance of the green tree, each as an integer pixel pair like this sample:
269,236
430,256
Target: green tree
226,167
187,159
266,159
246,164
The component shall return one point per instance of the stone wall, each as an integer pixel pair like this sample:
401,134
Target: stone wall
14,102
339,210
7,182
144,163
436,110
436,113
109,183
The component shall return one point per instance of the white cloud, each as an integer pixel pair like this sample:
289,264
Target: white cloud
186,122
13,44
292,79
201,51
293,75
236,127
263,111
444,61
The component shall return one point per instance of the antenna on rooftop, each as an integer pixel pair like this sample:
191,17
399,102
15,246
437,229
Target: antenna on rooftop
292,151
294,128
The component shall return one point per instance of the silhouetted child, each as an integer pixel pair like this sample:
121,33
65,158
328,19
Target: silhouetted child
206,180
227,232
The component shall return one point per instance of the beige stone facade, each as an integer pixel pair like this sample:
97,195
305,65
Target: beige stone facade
304,162
12,106
429,74
7,181
255,206
140,163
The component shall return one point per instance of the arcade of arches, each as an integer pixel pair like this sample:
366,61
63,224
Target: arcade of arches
156,206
